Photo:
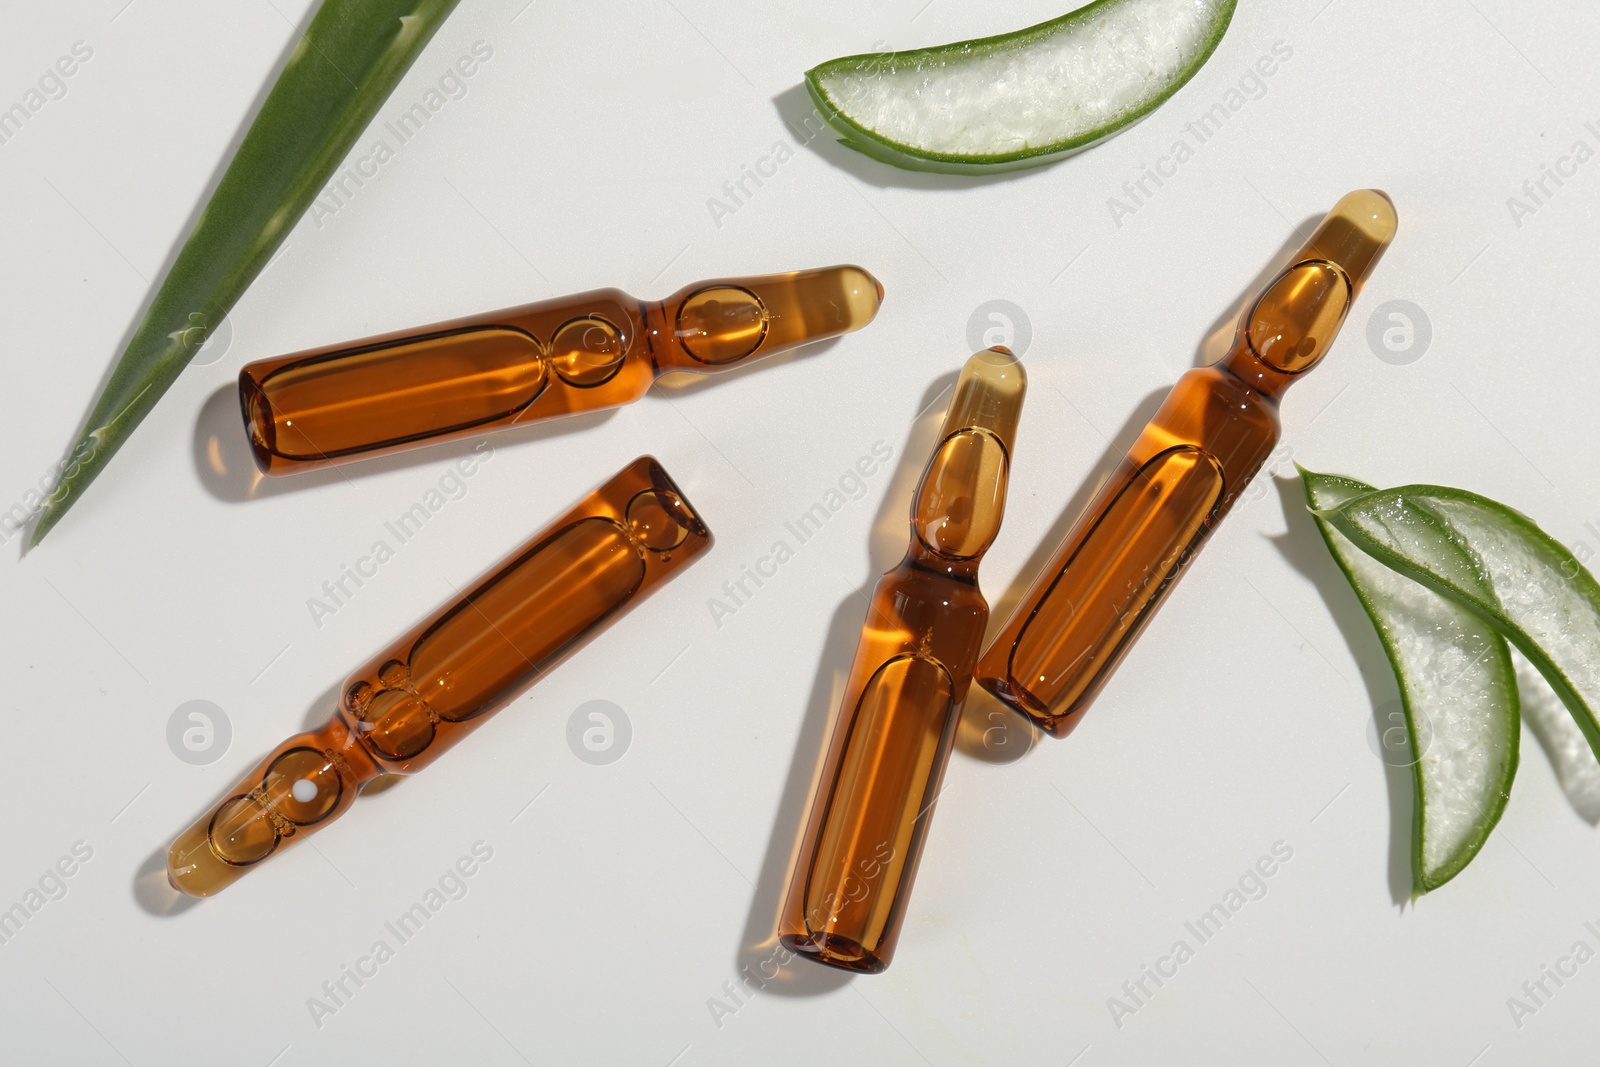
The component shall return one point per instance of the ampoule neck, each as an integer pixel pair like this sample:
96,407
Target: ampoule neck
920,557
336,738
1244,365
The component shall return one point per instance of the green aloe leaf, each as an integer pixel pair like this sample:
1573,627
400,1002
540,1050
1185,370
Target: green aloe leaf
1019,99
1457,684
343,69
1524,582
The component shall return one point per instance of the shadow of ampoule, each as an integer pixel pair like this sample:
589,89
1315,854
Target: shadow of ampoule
1304,550
153,893
991,732
759,952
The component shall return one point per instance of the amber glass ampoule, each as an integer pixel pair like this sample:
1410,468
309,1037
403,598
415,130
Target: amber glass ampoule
869,817
1205,443
538,361
440,681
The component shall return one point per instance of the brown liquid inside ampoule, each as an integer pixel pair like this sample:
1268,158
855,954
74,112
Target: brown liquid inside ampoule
1202,447
436,684
539,361
912,669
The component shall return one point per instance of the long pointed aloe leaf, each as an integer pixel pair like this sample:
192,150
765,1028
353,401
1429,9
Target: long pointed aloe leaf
350,59
1457,686
1527,585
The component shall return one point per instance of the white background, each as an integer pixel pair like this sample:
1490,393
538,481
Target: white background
616,906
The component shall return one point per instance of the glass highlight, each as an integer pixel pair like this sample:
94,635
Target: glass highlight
1202,447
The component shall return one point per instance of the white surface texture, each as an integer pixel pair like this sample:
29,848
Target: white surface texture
647,144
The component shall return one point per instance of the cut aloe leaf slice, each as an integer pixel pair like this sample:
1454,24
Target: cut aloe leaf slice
1457,686
1023,98
1524,582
